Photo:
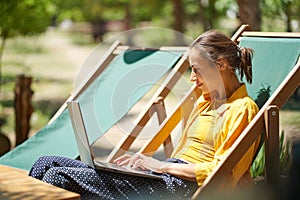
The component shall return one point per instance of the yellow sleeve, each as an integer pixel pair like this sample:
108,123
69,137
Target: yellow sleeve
237,118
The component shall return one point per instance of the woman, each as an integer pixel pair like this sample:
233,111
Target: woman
221,114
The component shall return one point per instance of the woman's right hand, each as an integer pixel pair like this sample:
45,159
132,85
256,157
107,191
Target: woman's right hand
140,161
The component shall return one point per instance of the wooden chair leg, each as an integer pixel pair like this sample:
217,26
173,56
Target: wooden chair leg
271,116
159,108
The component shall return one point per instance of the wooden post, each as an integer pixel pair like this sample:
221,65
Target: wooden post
23,107
272,144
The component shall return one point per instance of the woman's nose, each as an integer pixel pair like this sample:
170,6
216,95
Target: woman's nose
193,76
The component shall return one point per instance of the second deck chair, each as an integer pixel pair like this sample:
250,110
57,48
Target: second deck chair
120,79
275,66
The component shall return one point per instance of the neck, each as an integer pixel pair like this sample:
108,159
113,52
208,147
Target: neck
233,85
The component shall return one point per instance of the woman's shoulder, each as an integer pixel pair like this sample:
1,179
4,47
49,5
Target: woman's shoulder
244,103
241,99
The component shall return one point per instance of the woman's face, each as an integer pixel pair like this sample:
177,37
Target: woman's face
204,72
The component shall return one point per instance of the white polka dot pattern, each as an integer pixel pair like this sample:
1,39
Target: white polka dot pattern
76,176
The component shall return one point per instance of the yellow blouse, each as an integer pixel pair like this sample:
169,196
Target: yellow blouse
211,130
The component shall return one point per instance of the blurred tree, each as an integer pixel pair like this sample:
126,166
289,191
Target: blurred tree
22,17
249,13
178,18
285,10
67,9
178,15
99,12
207,12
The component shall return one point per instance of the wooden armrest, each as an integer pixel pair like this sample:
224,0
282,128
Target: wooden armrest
16,184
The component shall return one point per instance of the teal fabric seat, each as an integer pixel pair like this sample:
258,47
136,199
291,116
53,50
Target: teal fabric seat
272,61
126,80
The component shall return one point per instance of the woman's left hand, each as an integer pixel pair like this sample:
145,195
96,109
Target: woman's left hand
141,161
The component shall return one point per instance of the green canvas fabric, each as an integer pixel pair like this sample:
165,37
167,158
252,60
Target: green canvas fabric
272,61
127,79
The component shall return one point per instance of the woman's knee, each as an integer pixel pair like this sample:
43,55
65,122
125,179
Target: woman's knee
54,176
42,165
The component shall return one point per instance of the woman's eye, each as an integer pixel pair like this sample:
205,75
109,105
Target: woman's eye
196,70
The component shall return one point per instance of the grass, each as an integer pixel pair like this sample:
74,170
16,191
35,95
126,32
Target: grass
258,166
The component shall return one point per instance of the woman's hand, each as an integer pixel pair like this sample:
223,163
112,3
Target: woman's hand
184,171
141,161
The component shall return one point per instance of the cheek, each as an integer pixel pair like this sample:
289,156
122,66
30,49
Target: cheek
211,76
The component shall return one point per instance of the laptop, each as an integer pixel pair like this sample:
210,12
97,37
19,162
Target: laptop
85,150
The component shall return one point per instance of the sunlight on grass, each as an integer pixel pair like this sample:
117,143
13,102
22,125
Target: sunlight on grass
53,61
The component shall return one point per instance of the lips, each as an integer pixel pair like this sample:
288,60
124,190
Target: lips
199,84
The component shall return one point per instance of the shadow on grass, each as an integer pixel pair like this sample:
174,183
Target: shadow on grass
47,107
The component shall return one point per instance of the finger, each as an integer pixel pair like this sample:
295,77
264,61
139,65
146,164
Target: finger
123,158
134,159
138,164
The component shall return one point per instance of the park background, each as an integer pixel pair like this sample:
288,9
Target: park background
49,40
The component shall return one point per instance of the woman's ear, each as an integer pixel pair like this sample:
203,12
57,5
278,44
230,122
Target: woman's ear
221,64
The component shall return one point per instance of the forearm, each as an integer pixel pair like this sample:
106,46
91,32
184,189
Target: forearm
184,171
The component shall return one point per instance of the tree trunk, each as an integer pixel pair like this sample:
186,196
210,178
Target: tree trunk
23,108
288,14
208,14
178,16
3,40
249,13
128,25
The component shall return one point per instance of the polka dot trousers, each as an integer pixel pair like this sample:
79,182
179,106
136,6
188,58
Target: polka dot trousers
76,176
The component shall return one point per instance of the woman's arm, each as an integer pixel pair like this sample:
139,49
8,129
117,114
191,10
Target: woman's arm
184,171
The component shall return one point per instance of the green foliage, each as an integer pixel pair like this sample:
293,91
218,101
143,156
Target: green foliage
277,14
80,39
262,96
38,119
285,156
23,17
107,10
258,166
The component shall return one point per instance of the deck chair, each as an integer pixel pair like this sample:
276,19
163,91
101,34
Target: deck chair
122,71
275,70
276,65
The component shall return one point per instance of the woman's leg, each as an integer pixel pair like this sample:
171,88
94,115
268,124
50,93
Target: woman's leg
84,181
90,184
43,164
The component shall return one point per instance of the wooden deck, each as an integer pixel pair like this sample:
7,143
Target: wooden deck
16,184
